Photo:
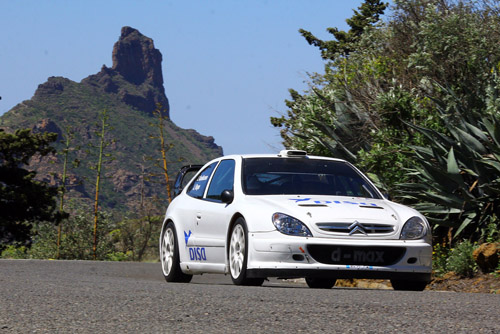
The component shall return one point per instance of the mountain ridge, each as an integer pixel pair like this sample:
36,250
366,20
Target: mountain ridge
130,91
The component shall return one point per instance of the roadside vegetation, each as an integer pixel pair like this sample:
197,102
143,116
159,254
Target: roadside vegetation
414,101
412,98
38,220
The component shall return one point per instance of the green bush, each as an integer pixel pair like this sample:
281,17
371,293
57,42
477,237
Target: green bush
118,240
44,244
76,238
461,260
14,252
439,259
119,256
138,238
491,233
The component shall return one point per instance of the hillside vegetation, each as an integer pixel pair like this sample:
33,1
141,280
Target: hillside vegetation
129,98
107,163
414,101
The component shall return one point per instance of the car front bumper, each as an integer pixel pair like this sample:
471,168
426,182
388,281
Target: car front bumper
272,254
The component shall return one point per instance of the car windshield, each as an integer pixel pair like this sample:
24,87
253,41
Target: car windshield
302,176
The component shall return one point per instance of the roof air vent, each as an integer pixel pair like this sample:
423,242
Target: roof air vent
292,153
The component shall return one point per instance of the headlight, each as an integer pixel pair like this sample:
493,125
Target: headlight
289,225
414,228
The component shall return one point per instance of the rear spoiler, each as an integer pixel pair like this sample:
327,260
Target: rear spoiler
181,181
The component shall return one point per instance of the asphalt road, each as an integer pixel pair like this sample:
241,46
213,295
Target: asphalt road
113,297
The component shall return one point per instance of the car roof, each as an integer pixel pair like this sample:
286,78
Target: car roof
280,155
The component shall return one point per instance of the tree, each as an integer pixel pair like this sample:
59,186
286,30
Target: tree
369,13
102,157
329,118
70,135
139,234
160,113
362,102
454,43
22,198
431,62
326,98
77,241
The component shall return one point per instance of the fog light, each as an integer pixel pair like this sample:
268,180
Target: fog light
298,257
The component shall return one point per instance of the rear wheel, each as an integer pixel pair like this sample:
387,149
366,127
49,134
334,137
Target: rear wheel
405,285
238,255
169,253
320,283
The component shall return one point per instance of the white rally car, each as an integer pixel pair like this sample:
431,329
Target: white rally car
291,215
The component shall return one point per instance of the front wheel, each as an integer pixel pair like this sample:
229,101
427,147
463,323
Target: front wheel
405,285
169,253
238,255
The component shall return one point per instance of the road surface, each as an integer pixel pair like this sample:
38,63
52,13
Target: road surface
121,297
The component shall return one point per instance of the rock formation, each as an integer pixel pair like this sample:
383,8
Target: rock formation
129,90
487,256
138,63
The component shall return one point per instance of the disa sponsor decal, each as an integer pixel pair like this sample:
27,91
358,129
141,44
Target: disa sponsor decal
197,254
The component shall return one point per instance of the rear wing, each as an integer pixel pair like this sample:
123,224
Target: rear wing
185,175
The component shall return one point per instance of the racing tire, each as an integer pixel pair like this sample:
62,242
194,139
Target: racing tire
320,283
238,255
405,285
169,254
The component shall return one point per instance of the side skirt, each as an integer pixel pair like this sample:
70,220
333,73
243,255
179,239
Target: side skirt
196,268
296,273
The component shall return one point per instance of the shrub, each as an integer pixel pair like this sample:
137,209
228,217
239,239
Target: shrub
461,261
14,252
491,233
76,239
119,256
126,240
439,259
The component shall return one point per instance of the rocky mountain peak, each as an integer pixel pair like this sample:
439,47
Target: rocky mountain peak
136,75
136,59
129,91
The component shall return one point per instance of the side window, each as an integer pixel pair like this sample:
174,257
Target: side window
223,180
197,188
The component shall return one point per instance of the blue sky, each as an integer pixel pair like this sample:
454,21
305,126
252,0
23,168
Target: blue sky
227,65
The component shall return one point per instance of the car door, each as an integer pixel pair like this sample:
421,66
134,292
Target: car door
188,211
213,214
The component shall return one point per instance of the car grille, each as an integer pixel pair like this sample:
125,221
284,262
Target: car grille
356,228
356,255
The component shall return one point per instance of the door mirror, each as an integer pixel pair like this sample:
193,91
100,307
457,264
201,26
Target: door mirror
227,196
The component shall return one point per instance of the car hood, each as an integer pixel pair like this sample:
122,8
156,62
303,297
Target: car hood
312,210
